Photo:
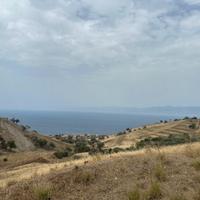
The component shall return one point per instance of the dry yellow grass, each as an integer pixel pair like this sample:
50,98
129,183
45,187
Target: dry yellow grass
156,172
30,170
163,129
109,177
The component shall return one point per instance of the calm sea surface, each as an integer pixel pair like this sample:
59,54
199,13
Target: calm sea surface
80,122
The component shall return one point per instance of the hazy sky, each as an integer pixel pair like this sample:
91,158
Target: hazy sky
57,54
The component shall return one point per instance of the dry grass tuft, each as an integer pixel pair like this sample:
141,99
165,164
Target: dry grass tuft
162,158
197,196
192,151
197,179
159,172
42,192
196,164
134,195
84,177
178,197
154,192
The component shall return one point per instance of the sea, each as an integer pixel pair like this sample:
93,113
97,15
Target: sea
54,122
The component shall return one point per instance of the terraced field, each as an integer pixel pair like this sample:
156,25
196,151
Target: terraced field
163,129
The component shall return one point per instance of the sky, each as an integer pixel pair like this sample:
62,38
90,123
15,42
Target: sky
63,54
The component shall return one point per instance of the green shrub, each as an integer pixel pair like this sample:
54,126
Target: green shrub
52,145
96,147
172,139
11,144
3,144
121,133
81,146
42,143
192,126
63,154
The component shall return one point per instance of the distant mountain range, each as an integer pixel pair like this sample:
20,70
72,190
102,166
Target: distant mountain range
164,110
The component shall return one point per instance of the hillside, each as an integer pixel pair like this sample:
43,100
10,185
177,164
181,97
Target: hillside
18,138
171,173
164,166
128,138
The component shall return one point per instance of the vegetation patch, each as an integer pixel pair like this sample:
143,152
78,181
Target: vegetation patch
178,197
134,195
172,139
84,177
9,145
154,192
42,143
42,192
63,154
196,165
159,172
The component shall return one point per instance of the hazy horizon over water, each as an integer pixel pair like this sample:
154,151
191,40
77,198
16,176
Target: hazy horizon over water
52,122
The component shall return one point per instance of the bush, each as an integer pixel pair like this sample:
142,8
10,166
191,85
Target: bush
154,192
159,172
3,144
52,145
81,146
192,126
172,139
42,192
178,197
131,148
97,147
121,133
5,159
117,150
7,145
84,177
42,143
11,144
63,154
196,196
134,195
196,164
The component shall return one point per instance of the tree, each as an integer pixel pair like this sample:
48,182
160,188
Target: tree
11,144
81,146
16,121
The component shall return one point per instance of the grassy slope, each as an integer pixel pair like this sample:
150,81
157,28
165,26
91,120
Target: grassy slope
175,170
177,127
13,132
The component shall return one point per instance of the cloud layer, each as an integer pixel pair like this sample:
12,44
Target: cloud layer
99,52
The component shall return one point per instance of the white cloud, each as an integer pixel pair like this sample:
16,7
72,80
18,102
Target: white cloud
192,1
99,40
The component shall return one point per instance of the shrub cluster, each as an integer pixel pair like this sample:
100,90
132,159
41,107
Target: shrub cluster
63,154
172,139
9,145
42,143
